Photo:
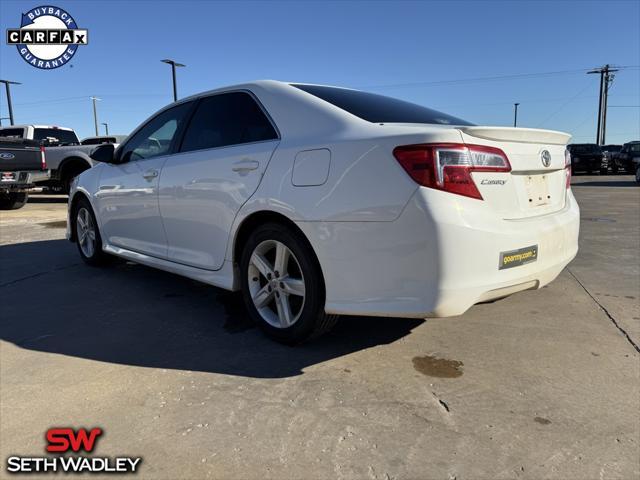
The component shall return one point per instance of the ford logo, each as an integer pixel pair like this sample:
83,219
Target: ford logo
7,156
545,156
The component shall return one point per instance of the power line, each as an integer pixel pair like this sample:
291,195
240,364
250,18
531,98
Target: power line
491,78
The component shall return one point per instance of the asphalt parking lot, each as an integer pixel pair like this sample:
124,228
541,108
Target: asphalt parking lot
543,384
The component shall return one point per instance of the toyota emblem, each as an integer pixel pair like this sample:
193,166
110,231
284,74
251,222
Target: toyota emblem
545,156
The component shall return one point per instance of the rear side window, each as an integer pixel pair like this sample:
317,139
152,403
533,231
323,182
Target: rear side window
378,108
227,119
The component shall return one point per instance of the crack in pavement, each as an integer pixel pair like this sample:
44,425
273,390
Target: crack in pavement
613,320
38,274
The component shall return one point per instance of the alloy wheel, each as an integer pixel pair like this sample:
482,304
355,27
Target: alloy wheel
86,232
276,284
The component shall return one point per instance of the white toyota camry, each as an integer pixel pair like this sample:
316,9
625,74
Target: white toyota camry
317,201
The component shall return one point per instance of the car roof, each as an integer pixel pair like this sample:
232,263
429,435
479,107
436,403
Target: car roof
53,127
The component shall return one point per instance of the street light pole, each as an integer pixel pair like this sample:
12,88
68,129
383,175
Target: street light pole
515,114
106,128
9,105
173,64
95,114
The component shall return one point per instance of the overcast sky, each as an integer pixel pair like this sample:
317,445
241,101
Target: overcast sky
445,55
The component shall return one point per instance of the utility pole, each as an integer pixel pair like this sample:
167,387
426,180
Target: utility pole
605,82
608,80
95,114
173,64
9,105
515,114
106,128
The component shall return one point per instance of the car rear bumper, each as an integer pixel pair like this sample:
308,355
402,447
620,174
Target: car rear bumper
440,257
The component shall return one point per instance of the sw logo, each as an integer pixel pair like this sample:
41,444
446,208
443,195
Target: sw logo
48,37
63,439
67,440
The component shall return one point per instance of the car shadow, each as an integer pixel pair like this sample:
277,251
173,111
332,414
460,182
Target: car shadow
133,315
604,183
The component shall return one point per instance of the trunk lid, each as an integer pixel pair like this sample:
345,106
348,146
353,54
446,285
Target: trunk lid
533,187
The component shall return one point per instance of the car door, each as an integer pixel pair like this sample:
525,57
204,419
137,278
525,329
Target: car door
127,196
225,150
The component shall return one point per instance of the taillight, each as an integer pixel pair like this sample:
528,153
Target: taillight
43,160
448,166
567,167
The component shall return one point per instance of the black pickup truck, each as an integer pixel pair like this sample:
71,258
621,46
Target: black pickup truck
22,163
587,157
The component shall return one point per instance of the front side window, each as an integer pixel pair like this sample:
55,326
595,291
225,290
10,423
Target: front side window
157,136
227,119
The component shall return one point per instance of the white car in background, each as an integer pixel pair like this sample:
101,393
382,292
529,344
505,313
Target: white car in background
317,201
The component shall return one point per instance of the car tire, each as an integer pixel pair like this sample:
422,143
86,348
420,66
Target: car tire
614,169
638,174
282,285
604,171
13,201
87,234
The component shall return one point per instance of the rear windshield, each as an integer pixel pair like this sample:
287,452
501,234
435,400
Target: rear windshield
99,140
63,136
378,108
585,148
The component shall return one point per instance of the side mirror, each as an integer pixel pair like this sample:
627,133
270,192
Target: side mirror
103,153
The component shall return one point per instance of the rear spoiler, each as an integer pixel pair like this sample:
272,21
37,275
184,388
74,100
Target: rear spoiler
522,135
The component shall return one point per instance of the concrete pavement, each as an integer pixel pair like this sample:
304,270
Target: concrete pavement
543,384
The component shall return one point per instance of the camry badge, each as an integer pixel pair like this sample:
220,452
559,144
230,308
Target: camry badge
545,156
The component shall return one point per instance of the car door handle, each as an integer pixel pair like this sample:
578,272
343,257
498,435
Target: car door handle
149,174
245,165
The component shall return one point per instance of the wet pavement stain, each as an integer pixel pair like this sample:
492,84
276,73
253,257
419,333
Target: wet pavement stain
56,224
600,219
542,420
438,367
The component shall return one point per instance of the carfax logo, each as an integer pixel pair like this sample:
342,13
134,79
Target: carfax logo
48,37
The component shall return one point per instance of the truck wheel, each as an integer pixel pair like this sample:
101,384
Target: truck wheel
70,170
614,169
87,234
604,170
13,201
638,174
282,285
